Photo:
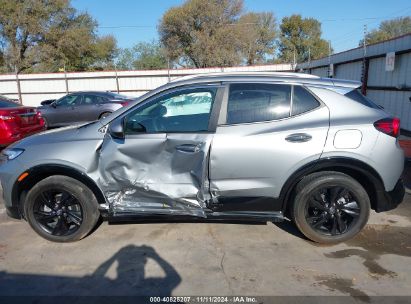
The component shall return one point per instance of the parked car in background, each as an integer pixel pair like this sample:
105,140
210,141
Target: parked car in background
256,146
17,121
82,107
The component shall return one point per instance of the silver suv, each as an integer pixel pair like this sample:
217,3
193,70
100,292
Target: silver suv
256,146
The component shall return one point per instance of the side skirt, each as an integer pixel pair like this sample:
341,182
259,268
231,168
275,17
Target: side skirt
227,216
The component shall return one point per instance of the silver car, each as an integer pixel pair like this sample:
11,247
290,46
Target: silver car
81,107
239,146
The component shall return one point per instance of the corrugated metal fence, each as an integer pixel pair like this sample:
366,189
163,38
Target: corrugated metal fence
37,87
390,89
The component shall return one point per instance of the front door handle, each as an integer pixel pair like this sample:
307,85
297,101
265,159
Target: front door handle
189,148
298,137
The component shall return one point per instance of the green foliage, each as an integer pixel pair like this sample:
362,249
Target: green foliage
302,35
389,29
46,35
203,33
143,56
257,34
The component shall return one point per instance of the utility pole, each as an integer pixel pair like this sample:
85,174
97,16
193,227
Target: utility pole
330,73
294,60
168,69
18,84
364,41
365,64
65,78
309,58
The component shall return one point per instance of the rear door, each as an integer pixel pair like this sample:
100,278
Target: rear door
267,132
90,107
161,167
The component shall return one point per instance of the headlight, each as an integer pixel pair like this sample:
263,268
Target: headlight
12,153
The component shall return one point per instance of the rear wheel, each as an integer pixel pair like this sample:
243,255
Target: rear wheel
46,124
61,209
330,207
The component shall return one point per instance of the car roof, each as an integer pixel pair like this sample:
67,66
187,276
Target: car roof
94,92
287,77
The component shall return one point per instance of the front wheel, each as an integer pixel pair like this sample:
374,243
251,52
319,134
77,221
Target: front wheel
61,209
330,207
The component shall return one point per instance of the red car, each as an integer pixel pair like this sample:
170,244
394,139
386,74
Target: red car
17,121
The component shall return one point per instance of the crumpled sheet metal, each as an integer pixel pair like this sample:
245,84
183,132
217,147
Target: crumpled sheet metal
149,175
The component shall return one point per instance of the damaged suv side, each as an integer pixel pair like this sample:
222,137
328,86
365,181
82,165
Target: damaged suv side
258,146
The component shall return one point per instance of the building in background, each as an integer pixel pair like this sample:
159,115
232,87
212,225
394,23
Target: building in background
385,72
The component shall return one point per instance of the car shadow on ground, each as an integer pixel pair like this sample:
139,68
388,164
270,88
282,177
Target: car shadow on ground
130,280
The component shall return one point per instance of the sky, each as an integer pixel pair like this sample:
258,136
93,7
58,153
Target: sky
132,21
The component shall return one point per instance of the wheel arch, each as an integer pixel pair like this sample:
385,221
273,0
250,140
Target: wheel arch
40,172
367,176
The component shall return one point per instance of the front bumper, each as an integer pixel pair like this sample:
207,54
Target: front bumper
388,200
10,210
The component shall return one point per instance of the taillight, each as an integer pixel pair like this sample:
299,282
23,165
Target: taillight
125,103
40,118
389,126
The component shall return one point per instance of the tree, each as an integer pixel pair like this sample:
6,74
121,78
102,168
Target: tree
143,56
302,36
202,33
45,35
257,36
388,29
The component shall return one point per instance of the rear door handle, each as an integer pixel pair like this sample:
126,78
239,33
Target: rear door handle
298,137
189,148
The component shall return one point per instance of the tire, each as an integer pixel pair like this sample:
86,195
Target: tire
61,209
46,124
330,207
104,115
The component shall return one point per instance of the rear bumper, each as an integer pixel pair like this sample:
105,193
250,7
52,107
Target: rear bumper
8,140
388,200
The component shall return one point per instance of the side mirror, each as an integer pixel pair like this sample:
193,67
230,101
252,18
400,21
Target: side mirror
54,105
116,129
47,102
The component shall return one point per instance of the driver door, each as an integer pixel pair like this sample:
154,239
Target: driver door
65,110
160,167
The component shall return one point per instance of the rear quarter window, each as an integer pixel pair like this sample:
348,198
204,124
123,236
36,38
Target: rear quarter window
8,104
303,101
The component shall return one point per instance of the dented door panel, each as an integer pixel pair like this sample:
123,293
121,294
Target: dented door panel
150,173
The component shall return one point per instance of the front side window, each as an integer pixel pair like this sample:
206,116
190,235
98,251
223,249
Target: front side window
69,100
182,111
252,102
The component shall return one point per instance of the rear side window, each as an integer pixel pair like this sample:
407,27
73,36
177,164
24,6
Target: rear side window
303,101
357,96
8,104
252,102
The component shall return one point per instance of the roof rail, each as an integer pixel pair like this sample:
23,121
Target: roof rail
244,73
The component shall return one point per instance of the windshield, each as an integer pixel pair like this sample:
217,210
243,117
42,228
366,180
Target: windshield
357,96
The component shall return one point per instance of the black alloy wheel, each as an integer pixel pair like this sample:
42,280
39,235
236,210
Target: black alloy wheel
332,210
61,209
58,212
330,207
